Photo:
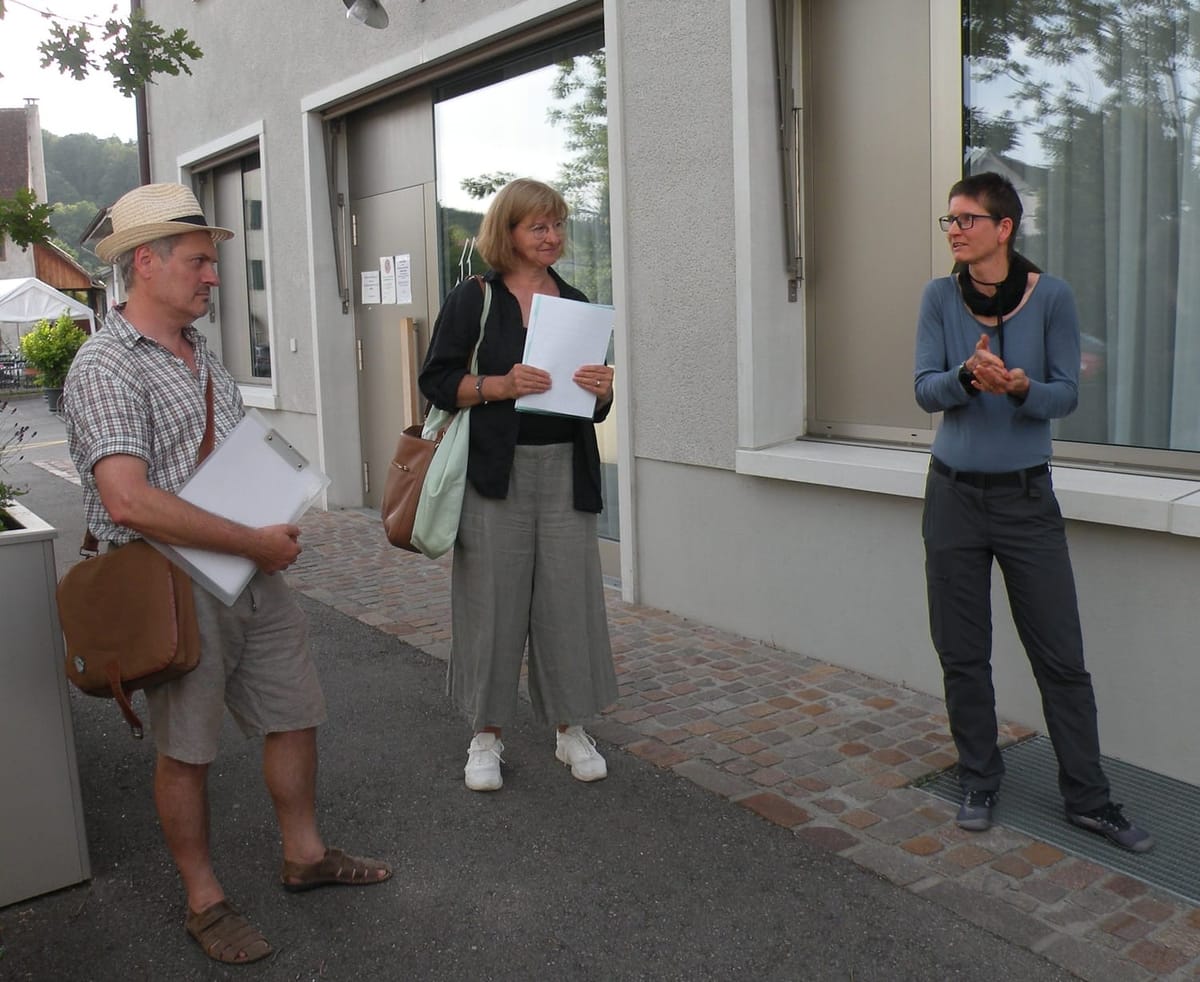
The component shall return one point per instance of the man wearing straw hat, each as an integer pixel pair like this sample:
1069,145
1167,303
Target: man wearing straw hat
136,410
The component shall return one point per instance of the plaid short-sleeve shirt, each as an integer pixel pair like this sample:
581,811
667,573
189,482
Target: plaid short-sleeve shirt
127,394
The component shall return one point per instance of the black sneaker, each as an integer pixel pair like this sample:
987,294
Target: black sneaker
1110,823
975,814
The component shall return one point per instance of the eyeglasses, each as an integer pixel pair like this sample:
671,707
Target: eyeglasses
965,221
541,230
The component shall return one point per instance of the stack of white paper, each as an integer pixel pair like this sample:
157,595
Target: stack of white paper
253,477
564,335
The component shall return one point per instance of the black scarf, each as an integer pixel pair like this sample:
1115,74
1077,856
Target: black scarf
1009,292
1008,296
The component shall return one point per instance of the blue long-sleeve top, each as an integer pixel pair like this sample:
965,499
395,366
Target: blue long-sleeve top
997,433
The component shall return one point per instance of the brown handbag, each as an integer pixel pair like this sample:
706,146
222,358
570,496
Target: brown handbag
129,620
410,464
128,616
402,490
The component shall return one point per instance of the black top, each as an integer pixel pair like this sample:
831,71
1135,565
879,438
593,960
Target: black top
495,426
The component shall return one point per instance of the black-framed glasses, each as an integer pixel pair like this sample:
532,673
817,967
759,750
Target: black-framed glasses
965,221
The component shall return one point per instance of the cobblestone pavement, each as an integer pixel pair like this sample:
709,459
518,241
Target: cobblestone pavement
826,752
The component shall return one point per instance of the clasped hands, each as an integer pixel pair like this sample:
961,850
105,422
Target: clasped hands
524,380
991,374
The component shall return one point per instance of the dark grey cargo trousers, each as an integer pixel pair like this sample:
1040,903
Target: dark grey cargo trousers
1021,527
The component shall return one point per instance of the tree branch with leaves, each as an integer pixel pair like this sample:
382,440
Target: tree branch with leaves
24,220
137,50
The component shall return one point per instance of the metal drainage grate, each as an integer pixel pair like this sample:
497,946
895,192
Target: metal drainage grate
1029,802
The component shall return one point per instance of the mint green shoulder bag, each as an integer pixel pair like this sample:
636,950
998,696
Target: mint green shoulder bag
439,507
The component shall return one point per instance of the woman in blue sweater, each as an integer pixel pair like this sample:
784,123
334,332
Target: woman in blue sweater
998,355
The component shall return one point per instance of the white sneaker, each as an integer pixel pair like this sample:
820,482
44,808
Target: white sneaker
483,763
578,751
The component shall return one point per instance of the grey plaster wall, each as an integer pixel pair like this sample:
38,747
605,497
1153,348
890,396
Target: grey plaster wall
678,160
839,575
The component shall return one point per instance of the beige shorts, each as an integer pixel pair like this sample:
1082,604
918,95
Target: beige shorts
254,661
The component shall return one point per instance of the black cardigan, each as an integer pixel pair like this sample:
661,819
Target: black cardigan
494,426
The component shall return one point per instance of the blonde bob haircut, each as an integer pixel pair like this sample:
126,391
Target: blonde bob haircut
516,201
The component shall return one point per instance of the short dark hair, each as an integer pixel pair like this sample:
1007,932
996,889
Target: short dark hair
996,193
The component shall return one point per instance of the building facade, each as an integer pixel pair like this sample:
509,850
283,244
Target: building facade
756,193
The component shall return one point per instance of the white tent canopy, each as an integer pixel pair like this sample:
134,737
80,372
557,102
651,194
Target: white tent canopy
26,300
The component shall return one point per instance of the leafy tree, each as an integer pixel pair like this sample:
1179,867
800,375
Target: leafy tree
581,83
583,179
59,188
24,220
486,185
85,167
69,222
1020,39
136,50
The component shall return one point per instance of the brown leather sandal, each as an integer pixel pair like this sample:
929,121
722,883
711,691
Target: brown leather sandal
226,936
335,869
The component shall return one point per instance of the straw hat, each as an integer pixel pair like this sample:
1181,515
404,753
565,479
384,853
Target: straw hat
154,211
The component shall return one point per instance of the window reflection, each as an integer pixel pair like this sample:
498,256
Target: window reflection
1091,109
236,189
256,262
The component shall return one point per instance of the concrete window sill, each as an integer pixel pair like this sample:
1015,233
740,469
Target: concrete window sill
1157,504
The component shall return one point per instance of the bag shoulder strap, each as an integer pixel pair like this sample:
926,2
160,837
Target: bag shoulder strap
209,438
483,316
91,545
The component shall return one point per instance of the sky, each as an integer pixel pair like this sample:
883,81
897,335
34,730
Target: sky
64,105
522,143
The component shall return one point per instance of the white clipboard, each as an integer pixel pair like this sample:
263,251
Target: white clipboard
253,477
564,335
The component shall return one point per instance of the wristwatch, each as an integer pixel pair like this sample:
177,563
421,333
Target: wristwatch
966,377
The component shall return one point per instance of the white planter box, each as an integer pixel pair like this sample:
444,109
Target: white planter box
43,845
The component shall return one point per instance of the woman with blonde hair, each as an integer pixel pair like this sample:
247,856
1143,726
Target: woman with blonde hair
526,561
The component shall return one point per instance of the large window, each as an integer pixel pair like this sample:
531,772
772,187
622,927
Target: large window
235,189
1092,108
543,115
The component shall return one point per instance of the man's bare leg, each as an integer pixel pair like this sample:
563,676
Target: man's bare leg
181,796
290,771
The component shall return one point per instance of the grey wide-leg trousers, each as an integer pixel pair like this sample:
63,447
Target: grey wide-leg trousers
527,567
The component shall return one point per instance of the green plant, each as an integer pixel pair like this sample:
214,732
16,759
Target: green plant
12,435
25,221
50,349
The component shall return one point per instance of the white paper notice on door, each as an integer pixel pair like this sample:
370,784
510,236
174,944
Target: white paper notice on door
370,287
387,280
404,278
564,335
